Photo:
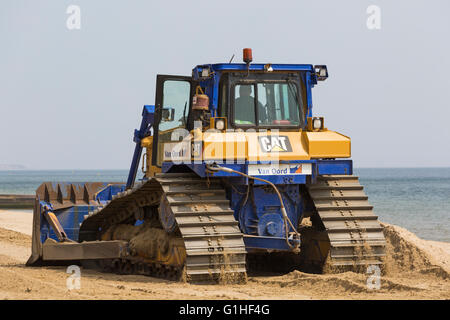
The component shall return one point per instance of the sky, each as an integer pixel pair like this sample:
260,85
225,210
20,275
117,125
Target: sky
71,98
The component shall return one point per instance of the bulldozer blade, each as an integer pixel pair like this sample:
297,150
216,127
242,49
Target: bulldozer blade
53,251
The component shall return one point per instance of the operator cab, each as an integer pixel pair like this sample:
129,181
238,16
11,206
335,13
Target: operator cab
234,96
262,100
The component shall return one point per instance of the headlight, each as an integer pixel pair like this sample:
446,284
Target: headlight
220,124
317,123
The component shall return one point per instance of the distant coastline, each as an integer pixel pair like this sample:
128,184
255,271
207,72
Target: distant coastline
12,167
16,201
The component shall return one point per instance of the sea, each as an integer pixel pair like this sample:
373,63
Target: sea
417,199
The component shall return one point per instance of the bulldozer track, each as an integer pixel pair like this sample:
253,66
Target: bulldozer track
214,246
356,237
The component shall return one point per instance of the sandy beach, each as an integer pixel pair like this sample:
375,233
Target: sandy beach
416,269
16,220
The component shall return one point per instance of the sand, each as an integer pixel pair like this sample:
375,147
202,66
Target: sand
416,269
17,220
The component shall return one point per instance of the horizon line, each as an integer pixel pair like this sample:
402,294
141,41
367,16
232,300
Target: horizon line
127,169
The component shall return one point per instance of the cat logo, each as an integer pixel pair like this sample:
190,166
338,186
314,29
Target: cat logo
275,144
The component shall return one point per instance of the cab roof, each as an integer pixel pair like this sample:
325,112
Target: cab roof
254,67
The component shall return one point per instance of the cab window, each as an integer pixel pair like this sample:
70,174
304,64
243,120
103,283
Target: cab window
244,104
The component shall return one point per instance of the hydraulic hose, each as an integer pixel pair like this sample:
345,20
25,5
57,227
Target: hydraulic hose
286,219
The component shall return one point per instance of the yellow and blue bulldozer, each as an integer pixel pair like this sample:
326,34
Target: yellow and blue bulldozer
239,176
